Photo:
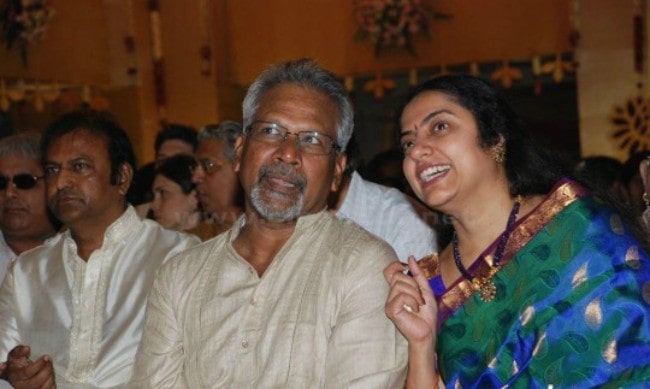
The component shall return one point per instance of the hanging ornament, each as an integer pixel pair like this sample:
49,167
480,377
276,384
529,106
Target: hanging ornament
157,57
506,75
4,96
18,92
205,52
348,83
70,100
574,23
44,93
129,41
536,64
443,71
378,86
558,68
639,43
474,69
413,77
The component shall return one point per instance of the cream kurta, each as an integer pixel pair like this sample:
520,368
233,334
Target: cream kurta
314,319
86,315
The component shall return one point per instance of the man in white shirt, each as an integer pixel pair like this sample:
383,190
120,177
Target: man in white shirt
71,311
24,218
387,213
291,296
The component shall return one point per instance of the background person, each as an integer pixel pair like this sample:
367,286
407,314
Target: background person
25,221
542,284
383,211
172,139
217,186
71,310
175,205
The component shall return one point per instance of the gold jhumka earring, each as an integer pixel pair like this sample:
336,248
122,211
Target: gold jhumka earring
499,153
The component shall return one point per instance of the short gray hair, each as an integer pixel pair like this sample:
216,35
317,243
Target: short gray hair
306,73
27,144
227,131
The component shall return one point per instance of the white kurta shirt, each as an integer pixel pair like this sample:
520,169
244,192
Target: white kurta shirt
314,319
387,213
87,315
7,256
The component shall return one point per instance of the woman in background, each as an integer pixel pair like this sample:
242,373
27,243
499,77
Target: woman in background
175,204
542,284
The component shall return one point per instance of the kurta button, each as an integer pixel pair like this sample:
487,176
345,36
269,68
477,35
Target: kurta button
244,343
253,301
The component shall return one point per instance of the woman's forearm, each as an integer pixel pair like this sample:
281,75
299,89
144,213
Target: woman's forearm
422,366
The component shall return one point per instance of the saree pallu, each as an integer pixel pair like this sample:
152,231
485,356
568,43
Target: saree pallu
572,307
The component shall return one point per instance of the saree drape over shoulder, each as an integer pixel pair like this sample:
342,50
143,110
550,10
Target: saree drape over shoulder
572,307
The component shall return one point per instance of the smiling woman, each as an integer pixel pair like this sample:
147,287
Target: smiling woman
538,270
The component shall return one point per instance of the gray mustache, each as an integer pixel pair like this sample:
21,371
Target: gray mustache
284,171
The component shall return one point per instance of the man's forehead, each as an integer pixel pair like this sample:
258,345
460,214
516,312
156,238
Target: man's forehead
18,161
174,146
210,148
75,145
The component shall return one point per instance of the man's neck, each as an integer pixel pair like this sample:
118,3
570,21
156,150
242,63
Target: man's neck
227,216
259,241
20,244
89,234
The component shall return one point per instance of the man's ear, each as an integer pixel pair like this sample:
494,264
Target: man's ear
125,178
339,167
239,146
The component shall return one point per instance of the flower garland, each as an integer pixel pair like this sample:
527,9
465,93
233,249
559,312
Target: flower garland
24,22
392,23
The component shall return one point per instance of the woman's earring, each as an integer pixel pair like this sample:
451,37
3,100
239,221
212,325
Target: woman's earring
646,199
499,153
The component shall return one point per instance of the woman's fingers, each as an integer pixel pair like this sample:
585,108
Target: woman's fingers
406,285
421,282
403,302
392,269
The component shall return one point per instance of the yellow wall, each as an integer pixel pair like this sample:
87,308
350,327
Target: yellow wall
83,46
264,32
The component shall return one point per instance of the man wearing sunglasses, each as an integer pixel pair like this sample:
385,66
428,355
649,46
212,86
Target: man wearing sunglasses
71,310
25,221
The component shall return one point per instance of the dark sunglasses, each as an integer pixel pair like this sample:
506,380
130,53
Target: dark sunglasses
22,181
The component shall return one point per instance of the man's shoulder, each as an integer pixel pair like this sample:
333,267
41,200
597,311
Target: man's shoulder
197,257
45,251
349,239
163,235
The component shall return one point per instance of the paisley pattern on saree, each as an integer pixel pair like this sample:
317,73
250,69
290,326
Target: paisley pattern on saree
572,308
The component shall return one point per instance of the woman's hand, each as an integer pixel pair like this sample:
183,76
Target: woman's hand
411,304
412,307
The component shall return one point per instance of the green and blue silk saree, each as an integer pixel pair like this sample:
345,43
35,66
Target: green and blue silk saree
572,307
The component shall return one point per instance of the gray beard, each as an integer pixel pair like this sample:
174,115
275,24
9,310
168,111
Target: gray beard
271,210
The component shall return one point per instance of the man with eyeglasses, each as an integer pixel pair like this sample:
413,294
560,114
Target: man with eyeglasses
217,187
24,218
290,296
71,310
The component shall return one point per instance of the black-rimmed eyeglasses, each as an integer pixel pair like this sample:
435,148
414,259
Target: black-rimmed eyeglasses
21,181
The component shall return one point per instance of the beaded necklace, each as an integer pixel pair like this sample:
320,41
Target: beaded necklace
485,286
